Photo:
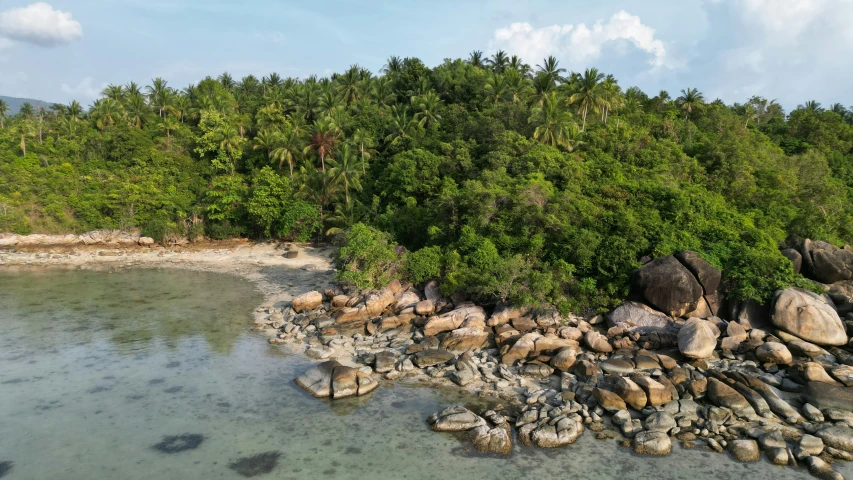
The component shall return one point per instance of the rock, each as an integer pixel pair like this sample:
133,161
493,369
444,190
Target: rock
772,352
635,316
307,301
808,445
814,372
455,419
697,339
839,437
565,432
406,300
597,342
503,314
668,286
466,370
432,292
827,263
331,379
752,315
521,348
821,469
708,275
652,443
777,405
723,395
795,258
660,421
609,400
339,301
630,392
656,393
537,370
703,310
812,413
495,440
744,450
452,319
465,339
735,330
431,357
564,359
772,439
617,366
425,307
146,241
808,316
384,361
805,349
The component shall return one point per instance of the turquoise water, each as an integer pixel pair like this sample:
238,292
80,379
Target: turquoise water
96,369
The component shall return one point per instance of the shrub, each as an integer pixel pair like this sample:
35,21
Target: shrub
423,265
367,260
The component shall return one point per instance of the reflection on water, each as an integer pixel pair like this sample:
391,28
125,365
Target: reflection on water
151,374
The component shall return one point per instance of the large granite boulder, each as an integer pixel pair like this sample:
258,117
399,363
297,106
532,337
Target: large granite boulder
697,338
635,316
823,396
668,286
307,301
708,275
825,262
808,316
455,419
331,379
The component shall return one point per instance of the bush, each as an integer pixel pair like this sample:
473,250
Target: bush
367,260
423,265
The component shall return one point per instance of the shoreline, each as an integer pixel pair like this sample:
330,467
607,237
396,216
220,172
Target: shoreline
578,401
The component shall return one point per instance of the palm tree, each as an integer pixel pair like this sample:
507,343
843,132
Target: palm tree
812,106
345,171
265,140
554,124
351,85
517,85
231,141
499,61
393,66
382,92
496,86
515,63
136,109
74,110
661,100
542,87
690,100
588,91
227,81
132,88
318,187
27,111
25,129
4,112
551,67
272,80
401,124
323,140
427,106
168,125
157,94
288,146
609,98
476,59
116,92
365,146
106,111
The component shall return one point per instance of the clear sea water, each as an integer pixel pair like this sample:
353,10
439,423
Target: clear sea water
96,368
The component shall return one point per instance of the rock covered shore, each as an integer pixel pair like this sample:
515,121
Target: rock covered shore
676,362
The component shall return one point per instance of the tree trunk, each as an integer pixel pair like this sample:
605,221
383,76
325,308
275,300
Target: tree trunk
23,145
323,161
585,108
363,171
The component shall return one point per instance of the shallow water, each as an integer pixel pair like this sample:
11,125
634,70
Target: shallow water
96,369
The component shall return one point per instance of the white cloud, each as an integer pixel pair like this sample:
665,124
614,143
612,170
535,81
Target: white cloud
86,89
579,43
39,24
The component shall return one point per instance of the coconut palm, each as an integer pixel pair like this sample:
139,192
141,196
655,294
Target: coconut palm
74,110
272,80
393,66
116,92
551,67
498,61
323,139
427,106
4,112
24,129
812,106
106,112
158,95
288,146
27,111
168,125
476,59
517,85
265,140
382,92
541,86
344,171
401,124
227,81
132,88
351,85
364,141
554,124
230,142
318,187
587,92
661,99
690,100
496,87
136,110
610,98
515,63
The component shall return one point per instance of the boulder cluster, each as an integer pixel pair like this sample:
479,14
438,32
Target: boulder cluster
331,379
674,361
110,238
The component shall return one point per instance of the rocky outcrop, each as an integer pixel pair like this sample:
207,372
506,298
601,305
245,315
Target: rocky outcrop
487,436
331,379
635,316
808,316
668,286
825,262
97,237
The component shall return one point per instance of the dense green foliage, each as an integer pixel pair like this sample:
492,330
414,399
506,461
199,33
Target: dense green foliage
512,183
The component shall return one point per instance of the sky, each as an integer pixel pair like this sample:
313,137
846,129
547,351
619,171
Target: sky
788,50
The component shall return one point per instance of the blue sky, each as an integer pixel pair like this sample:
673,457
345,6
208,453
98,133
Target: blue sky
791,50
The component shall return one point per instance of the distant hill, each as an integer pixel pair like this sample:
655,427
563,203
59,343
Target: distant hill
15,103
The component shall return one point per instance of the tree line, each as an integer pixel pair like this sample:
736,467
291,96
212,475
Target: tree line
511,182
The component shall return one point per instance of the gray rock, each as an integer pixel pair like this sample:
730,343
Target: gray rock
744,450
455,419
432,357
772,352
660,421
839,437
825,396
697,339
635,316
668,286
808,316
812,413
821,469
807,446
654,443
708,275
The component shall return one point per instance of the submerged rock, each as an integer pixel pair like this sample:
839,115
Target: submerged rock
331,379
255,465
744,450
654,443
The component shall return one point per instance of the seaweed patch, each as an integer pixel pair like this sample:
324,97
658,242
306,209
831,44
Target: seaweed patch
5,467
179,443
256,464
